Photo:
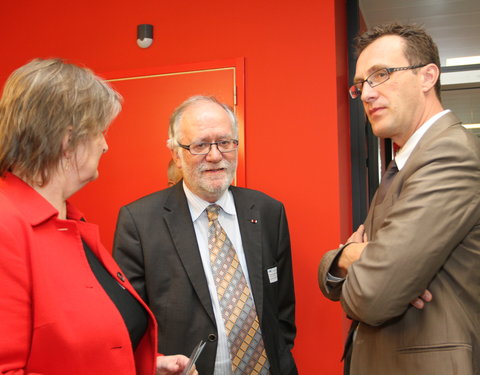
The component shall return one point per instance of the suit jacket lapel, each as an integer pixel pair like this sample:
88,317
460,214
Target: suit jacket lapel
447,120
377,213
250,224
179,222
369,219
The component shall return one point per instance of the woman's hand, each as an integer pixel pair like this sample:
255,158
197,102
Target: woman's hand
173,365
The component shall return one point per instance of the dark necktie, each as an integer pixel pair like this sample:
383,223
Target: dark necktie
236,302
387,179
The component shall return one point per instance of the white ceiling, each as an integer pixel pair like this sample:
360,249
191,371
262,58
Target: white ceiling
453,24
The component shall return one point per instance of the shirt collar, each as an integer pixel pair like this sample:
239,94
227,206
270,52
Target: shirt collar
197,205
404,153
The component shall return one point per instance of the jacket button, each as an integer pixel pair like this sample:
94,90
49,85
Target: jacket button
120,276
212,337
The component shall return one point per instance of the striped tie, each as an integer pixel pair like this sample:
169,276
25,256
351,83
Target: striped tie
238,309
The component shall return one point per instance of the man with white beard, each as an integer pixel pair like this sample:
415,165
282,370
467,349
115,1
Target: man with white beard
212,261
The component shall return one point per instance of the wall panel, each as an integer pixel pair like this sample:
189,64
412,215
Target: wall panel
296,120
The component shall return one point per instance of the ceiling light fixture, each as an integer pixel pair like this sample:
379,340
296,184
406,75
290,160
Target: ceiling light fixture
467,60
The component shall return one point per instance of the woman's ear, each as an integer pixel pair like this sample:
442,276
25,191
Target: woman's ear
66,143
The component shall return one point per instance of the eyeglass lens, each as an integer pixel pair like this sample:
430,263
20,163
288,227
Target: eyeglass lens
205,147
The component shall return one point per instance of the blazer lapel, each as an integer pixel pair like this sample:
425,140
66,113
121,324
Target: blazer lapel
178,219
447,120
250,223
378,212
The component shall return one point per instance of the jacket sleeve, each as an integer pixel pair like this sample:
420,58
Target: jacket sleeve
330,290
436,207
127,251
286,299
15,300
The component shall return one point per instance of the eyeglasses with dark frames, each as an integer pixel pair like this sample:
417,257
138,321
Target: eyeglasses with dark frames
203,148
377,78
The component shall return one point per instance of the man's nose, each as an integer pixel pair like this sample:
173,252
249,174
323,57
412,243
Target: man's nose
368,93
214,153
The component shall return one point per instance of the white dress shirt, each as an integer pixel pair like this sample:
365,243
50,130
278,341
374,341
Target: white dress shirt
404,153
228,220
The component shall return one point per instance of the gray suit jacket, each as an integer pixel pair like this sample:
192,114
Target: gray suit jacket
425,234
156,246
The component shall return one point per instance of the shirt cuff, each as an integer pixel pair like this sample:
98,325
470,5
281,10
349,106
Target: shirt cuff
334,279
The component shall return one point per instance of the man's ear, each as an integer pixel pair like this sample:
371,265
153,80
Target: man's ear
430,75
176,157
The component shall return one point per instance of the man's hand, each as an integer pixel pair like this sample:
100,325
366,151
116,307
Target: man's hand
350,254
173,365
359,236
419,302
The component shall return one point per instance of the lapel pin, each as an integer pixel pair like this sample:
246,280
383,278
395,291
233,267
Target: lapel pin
254,221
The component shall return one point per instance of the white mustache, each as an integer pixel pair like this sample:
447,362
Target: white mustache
221,165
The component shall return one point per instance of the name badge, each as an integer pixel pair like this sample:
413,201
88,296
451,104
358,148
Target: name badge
272,275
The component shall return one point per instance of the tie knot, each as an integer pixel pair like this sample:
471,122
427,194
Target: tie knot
212,212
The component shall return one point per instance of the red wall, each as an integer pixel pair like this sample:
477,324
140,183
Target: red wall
296,119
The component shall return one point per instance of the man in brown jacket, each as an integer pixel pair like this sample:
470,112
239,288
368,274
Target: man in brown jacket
422,233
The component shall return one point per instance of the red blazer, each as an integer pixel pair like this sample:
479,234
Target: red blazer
55,318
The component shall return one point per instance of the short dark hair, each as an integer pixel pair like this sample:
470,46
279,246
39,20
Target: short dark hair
419,46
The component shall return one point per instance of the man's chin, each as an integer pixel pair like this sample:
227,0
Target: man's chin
220,188
216,187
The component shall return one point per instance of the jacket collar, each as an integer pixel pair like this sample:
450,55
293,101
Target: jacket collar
35,208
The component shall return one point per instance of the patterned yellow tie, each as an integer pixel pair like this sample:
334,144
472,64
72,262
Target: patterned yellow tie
238,309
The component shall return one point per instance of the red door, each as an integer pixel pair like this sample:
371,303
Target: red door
136,163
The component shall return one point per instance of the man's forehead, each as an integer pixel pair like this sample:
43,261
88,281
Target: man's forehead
202,107
206,128
385,52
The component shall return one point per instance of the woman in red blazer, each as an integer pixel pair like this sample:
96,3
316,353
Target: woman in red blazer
65,306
